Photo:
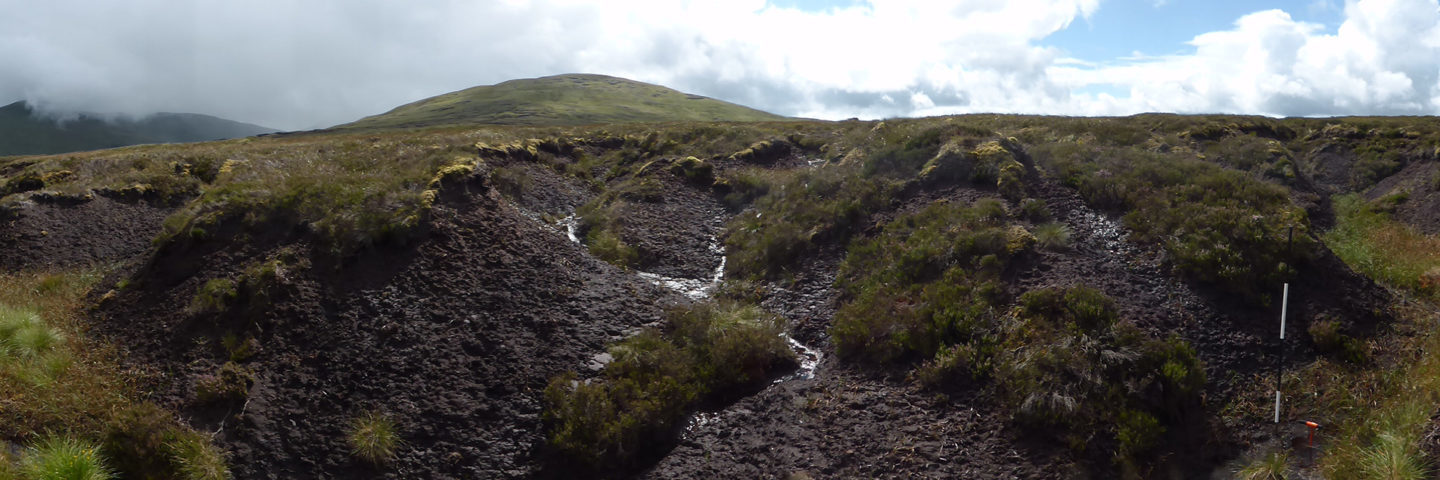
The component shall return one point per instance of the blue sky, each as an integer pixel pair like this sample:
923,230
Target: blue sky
325,62
1121,28
1150,27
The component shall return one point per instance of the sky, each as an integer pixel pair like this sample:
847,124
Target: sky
317,63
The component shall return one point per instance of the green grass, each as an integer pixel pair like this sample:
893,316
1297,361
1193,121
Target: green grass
373,437
1394,457
1052,236
55,379
562,100
1381,248
193,457
62,458
1271,466
1380,411
705,351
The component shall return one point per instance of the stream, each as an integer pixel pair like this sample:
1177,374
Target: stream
699,289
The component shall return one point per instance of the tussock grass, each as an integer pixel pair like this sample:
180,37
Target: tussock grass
1381,248
1378,412
55,379
374,438
62,458
1052,236
656,377
1271,466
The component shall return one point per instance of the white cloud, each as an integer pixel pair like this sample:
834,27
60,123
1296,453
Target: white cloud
1384,59
318,63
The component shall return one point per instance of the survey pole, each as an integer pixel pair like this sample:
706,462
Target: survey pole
1280,354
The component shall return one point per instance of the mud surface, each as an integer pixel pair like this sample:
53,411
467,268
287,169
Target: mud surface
455,339
1420,183
456,335
98,231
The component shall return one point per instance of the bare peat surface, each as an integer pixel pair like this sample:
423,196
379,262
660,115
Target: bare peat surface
1419,186
47,234
454,337
456,334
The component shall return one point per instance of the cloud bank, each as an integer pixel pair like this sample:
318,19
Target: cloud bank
317,63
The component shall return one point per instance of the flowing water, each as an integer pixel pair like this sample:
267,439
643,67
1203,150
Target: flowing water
570,224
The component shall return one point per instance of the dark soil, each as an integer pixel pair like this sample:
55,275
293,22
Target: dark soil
849,423
454,337
678,234
1421,181
69,234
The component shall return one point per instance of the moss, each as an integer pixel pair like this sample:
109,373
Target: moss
952,163
22,183
990,159
215,296
695,170
232,382
1018,239
765,151
452,173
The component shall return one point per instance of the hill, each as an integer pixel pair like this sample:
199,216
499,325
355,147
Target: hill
575,99
980,296
23,132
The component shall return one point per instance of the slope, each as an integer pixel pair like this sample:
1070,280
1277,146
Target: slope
574,99
23,132
947,270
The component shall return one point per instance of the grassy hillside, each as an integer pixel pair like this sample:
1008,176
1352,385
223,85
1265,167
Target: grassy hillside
1096,293
22,132
575,99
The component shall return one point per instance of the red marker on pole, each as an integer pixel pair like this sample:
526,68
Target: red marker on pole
1312,426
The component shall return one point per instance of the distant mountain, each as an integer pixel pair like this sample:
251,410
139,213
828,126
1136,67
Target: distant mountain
573,99
24,132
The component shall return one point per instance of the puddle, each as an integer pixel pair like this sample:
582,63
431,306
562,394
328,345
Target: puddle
1109,232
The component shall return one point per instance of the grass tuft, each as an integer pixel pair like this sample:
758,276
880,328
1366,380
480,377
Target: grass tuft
1271,466
1053,236
194,458
374,438
1374,244
1393,457
62,458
